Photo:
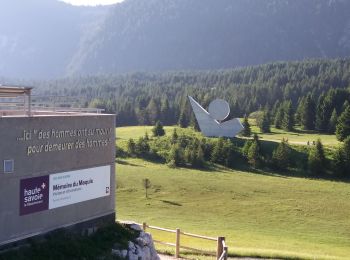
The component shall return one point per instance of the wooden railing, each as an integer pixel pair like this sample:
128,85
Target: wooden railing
221,247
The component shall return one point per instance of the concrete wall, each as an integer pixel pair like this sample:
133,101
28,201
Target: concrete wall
19,135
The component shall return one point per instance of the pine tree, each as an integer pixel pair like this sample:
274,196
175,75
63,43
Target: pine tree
322,118
308,113
183,121
152,111
217,155
343,125
194,123
264,122
131,147
287,121
281,155
333,122
246,130
279,117
142,147
299,111
341,159
345,105
165,114
175,157
346,148
174,136
158,129
228,150
317,159
339,162
254,152
200,161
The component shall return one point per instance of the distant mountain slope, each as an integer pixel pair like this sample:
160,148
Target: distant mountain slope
212,34
48,38
39,37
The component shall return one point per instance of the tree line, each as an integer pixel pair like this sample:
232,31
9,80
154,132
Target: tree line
188,149
309,92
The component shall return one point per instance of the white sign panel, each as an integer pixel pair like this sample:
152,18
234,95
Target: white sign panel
77,186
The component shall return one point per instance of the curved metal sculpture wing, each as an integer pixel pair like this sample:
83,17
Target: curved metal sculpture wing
211,127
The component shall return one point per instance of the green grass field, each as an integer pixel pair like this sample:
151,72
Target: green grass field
259,214
298,137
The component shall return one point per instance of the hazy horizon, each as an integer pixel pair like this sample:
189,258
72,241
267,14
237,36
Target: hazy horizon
92,2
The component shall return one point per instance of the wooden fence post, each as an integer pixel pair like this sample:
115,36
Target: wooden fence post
177,249
226,252
219,248
144,226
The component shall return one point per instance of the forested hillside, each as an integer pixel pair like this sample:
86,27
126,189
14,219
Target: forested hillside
39,37
51,39
144,98
164,35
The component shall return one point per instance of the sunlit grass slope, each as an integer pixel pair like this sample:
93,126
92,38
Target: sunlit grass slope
259,214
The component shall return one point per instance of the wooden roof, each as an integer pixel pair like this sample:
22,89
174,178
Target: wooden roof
14,91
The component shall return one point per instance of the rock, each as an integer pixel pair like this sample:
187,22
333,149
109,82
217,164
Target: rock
135,227
124,253
116,252
141,249
139,252
141,241
146,251
147,238
131,247
132,256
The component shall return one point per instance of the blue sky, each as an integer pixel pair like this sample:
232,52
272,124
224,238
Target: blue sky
92,2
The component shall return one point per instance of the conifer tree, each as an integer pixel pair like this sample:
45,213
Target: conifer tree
217,155
339,162
152,111
299,111
158,129
175,156
343,125
288,120
321,123
165,114
279,117
247,130
308,113
254,152
194,123
333,122
174,136
142,147
131,147
264,122
317,159
345,105
183,121
281,155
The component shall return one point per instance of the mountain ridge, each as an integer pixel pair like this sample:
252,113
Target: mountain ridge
162,35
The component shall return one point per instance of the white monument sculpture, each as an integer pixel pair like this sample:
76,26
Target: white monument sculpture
210,122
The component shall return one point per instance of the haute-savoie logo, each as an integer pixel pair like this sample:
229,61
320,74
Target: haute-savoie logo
34,195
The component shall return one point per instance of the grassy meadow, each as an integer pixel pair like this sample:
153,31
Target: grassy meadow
260,214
